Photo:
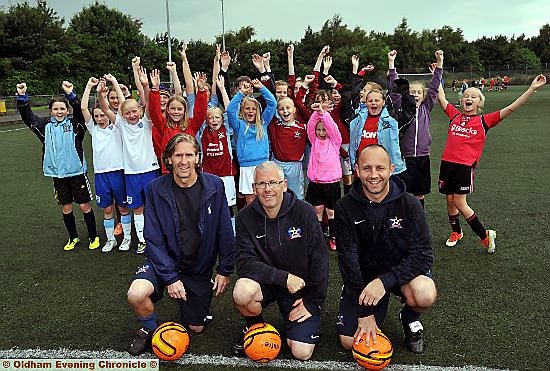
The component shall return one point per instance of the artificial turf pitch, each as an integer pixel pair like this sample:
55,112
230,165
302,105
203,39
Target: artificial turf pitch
491,309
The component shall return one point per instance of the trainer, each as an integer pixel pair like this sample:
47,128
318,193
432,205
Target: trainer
187,229
383,246
280,255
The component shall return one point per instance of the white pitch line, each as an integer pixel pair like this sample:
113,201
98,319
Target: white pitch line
7,131
230,362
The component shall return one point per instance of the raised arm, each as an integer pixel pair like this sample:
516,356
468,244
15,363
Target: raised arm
443,102
102,92
92,81
215,72
538,82
271,102
220,82
324,52
139,87
33,121
171,67
71,96
153,110
187,75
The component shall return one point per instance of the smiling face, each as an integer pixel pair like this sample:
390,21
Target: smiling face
374,169
100,118
214,118
163,100
176,111
375,102
286,110
184,160
59,111
472,100
249,110
281,90
417,91
335,96
131,111
321,131
114,104
271,198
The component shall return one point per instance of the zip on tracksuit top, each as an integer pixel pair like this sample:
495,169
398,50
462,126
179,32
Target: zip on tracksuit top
389,240
161,232
267,250
250,151
62,153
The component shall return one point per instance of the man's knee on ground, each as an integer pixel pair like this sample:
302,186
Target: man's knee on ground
346,341
245,291
196,329
301,351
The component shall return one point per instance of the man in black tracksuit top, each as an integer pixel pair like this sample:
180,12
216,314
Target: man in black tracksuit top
384,246
280,255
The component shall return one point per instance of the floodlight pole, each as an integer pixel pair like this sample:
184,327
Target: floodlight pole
169,41
223,29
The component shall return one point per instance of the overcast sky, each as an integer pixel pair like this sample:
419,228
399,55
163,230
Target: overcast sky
288,19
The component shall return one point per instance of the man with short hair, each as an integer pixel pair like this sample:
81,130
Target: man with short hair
187,229
280,255
384,247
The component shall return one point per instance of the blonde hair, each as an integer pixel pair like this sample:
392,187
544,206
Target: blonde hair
281,83
126,103
182,124
212,111
481,98
373,86
260,132
422,84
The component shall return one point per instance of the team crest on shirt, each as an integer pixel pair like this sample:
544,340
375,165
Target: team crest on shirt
386,125
67,128
221,135
97,199
296,134
129,200
140,125
111,127
395,223
294,232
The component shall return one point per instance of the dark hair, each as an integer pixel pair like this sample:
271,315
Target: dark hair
171,147
240,79
58,99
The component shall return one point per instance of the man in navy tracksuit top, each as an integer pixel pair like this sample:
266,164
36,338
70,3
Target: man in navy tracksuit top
187,229
280,255
384,246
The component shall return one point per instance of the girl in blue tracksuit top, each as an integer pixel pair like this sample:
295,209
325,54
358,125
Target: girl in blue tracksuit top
387,133
63,157
250,125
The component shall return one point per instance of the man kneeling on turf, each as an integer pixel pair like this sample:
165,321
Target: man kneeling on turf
383,246
187,228
280,255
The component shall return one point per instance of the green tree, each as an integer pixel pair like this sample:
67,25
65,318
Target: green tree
104,41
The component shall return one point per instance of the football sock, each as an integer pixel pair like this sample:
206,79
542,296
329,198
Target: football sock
477,227
126,221
89,218
109,225
252,320
70,224
149,322
139,221
331,228
347,188
409,315
454,221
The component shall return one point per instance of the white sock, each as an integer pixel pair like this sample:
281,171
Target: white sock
126,221
139,221
109,225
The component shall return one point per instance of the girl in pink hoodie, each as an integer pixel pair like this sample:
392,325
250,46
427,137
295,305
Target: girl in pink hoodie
324,170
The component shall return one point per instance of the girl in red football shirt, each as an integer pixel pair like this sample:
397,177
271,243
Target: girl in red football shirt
465,140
